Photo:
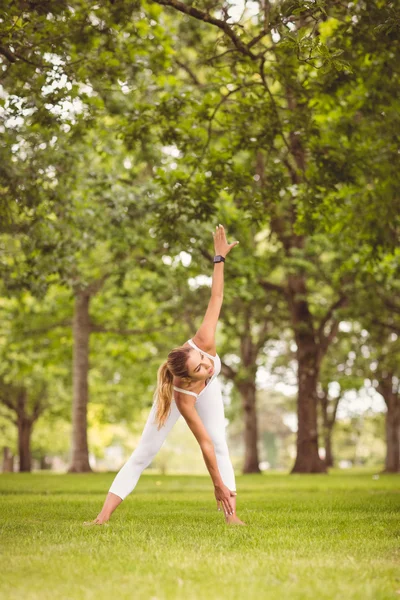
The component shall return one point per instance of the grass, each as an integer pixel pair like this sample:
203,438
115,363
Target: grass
316,536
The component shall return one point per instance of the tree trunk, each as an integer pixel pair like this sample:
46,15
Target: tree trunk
386,388
25,419
248,393
307,459
308,352
392,462
328,424
308,357
328,447
81,332
8,460
24,425
392,422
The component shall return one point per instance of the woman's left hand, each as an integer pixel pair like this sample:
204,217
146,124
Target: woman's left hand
221,246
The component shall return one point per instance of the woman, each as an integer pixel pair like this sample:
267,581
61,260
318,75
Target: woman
187,385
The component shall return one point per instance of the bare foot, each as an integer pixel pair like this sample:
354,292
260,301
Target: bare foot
233,520
99,520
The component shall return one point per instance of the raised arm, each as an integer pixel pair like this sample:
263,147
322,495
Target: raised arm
187,409
205,335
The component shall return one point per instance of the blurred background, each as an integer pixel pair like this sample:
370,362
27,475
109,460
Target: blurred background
128,131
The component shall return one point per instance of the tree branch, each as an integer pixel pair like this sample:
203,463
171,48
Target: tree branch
273,103
12,57
206,254
267,10
385,387
40,404
227,371
95,328
392,305
334,412
94,287
210,60
273,287
8,416
256,39
341,301
211,120
263,336
8,54
266,27
62,323
292,171
189,71
189,321
394,328
207,18
4,400
328,338
36,411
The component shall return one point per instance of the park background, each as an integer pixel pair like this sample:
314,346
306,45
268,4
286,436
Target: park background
128,131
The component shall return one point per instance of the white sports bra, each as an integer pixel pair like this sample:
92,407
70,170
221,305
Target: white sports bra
217,369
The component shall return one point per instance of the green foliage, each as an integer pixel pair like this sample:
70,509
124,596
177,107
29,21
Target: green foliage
129,128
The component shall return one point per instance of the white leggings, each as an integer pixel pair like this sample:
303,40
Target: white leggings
210,408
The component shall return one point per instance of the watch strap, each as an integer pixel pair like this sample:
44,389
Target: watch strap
218,258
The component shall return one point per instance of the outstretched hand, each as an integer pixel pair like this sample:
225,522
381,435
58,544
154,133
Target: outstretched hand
223,497
221,245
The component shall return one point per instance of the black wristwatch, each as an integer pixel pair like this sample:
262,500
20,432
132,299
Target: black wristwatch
219,258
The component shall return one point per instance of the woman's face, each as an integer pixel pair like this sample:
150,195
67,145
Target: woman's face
199,366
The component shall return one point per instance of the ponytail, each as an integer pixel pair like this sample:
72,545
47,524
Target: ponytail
163,394
174,366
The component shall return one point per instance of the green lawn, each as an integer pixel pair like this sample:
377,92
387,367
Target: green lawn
307,537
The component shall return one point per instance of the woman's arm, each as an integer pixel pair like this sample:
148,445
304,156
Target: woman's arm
188,411
205,336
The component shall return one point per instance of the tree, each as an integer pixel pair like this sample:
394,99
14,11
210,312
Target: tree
263,114
340,373
263,122
73,57
383,351
27,410
33,375
377,357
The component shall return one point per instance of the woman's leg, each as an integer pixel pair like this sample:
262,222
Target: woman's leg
210,408
150,443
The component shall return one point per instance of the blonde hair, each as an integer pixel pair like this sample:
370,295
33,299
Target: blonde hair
175,365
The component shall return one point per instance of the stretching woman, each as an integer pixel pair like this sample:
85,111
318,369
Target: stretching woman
187,385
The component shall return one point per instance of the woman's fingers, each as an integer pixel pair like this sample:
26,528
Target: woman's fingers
225,501
220,240
228,506
221,231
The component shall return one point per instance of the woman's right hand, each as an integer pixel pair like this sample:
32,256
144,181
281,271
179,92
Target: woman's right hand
221,246
223,495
